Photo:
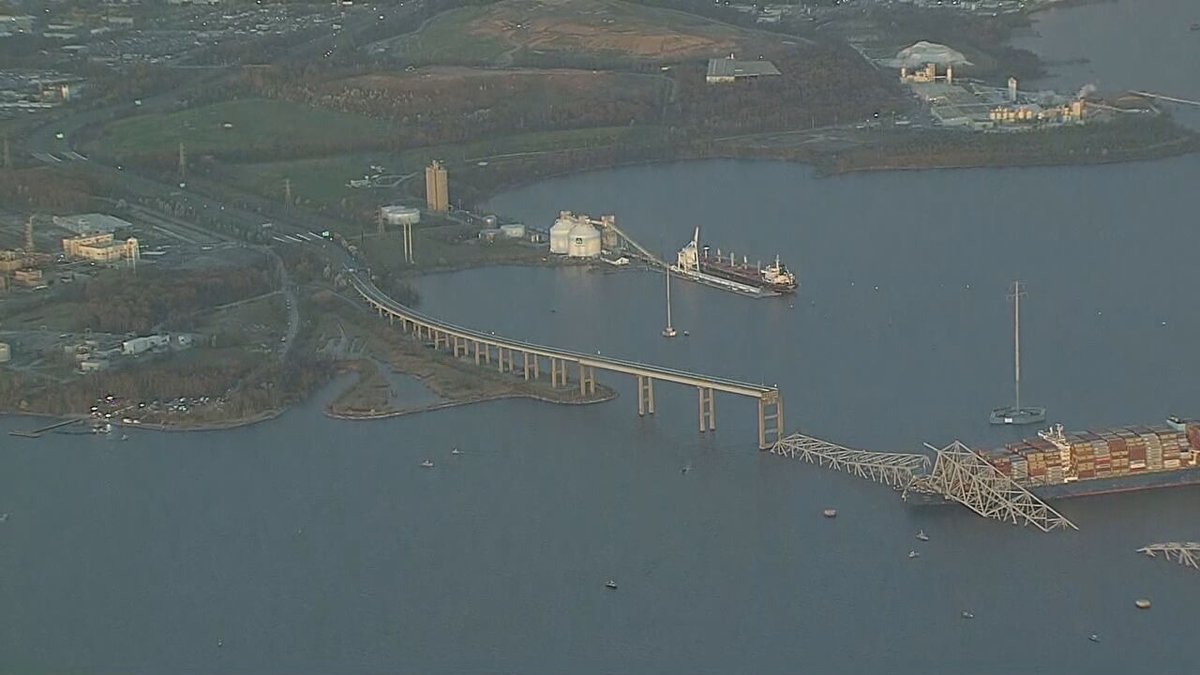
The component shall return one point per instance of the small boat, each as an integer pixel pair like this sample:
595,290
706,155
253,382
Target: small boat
1196,26
456,451
124,437
3,517
967,615
913,554
1142,603
427,464
610,584
1094,638
829,513
921,536
685,333
685,468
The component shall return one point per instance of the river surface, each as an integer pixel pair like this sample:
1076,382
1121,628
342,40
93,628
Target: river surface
310,545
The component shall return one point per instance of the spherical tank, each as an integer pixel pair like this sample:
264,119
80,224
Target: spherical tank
490,221
560,235
585,241
400,215
5,352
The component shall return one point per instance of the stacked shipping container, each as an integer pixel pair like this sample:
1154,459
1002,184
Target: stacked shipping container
1088,455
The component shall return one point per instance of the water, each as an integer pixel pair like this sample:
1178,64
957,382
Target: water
310,545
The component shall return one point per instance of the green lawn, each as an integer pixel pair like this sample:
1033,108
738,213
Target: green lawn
257,127
324,181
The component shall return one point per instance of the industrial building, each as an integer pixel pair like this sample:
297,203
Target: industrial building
139,345
982,108
101,248
730,70
577,235
91,223
5,352
437,190
400,215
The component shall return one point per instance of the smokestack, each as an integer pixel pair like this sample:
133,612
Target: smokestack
903,77
950,74
1012,89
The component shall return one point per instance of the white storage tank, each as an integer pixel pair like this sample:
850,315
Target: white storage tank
490,221
400,215
513,231
585,241
560,233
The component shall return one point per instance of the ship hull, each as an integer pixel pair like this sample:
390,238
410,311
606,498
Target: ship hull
724,284
1155,480
748,276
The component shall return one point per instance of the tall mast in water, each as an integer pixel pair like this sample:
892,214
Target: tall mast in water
1016,296
669,331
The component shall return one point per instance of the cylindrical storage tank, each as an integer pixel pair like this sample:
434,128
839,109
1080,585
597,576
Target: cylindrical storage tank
585,241
400,215
5,352
513,231
490,221
560,234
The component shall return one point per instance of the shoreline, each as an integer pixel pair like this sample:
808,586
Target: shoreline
443,405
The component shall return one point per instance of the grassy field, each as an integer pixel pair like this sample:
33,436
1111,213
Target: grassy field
257,127
324,181
499,33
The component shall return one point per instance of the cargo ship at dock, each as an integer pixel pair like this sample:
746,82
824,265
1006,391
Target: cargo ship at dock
695,263
1057,465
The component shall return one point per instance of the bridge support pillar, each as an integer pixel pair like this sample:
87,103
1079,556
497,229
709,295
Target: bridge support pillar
770,419
500,358
558,372
536,367
708,413
645,385
587,380
525,358
391,318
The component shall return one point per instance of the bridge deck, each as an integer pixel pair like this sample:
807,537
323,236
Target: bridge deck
380,300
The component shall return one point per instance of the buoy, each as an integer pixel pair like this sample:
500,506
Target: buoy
1142,603
829,513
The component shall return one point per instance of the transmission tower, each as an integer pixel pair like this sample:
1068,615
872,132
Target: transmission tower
379,215
182,162
29,248
7,155
287,191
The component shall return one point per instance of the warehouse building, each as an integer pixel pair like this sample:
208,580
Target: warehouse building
101,248
731,70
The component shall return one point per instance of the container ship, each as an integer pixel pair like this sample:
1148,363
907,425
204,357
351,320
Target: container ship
1057,465
694,262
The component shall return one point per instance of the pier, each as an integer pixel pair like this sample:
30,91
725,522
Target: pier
36,433
526,360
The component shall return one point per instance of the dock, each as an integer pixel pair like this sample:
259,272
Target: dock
37,433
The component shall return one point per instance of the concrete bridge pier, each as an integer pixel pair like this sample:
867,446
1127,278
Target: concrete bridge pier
770,419
558,372
500,359
645,385
525,362
587,380
708,413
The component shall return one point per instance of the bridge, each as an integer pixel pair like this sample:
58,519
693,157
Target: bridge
959,476
513,356
1164,97
1185,553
